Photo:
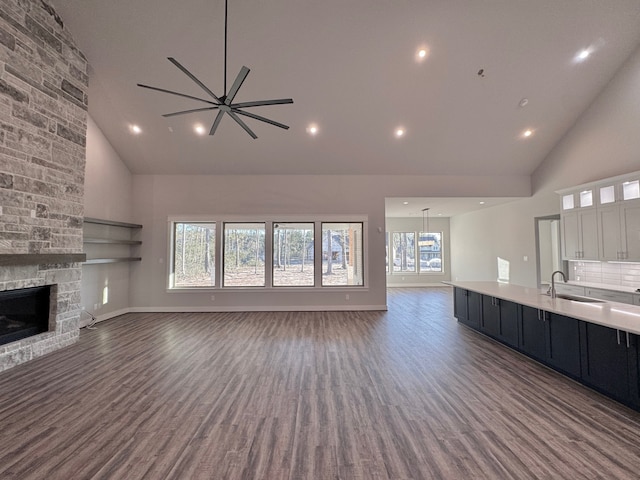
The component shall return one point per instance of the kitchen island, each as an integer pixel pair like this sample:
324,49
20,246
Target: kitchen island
592,341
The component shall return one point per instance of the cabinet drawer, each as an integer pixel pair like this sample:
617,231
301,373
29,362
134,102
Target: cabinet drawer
636,299
609,295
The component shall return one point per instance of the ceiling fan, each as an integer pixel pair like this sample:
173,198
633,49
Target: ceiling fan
224,104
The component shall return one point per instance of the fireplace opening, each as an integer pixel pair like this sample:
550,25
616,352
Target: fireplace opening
23,313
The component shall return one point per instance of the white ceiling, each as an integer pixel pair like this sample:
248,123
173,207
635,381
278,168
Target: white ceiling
350,66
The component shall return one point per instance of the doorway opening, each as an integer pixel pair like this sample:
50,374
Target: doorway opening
549,257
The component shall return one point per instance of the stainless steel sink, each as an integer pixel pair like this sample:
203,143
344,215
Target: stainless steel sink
576,298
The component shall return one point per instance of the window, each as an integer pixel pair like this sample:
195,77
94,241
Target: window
293,255
194,254
342,254
404,251
259,253
430,248
244,255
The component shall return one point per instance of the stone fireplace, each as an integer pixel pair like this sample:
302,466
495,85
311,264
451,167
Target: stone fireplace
43,122
24,313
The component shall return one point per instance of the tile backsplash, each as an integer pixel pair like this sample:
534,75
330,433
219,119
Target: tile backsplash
622,274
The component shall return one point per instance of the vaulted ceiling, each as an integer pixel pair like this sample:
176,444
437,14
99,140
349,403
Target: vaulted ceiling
351,68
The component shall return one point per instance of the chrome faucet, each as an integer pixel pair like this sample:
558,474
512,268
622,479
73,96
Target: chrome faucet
553,282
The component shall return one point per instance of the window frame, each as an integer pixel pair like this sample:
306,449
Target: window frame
441,252
313,241
269,221
223,255
362,259
418,271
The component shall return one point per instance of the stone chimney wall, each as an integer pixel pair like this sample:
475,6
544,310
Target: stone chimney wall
43,124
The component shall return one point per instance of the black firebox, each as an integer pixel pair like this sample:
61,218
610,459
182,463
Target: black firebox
23,313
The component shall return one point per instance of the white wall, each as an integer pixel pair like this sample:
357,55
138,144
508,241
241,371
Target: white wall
108,195
603,143
158,197
414,224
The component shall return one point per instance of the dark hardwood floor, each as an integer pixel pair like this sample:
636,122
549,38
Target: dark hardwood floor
403,394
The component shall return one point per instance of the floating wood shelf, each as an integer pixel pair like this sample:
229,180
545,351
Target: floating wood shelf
112,241
95,261
106,240
111,223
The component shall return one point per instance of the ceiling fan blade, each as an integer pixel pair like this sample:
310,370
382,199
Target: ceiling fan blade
244,71
193,77
258,103
176,93
216,122
242,124
184,112
263,119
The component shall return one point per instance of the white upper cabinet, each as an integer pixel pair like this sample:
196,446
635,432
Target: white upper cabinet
609,233
579,234
601,221
630,222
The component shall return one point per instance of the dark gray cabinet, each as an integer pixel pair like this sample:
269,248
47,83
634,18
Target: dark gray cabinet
551,338
533,333
500,319
466,307
603,358
610,361
563,350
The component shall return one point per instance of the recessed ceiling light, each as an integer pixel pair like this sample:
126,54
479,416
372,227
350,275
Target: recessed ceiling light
200,130
527,133
523,102
421,54
481,203
582,55
135,129
405,203
400,131
439,214
312,129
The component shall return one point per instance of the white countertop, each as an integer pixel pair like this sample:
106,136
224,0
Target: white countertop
610,314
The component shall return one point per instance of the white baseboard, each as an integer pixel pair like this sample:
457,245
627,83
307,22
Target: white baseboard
283,308
101,318
287,308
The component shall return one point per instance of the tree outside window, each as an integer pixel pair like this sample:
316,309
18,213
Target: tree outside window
194,254
293,254
404,251
244,250
342,254
430,248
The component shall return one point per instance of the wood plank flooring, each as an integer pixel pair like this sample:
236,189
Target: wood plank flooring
403,394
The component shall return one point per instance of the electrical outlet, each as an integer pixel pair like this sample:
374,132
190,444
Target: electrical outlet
213,298
346,296
33,214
